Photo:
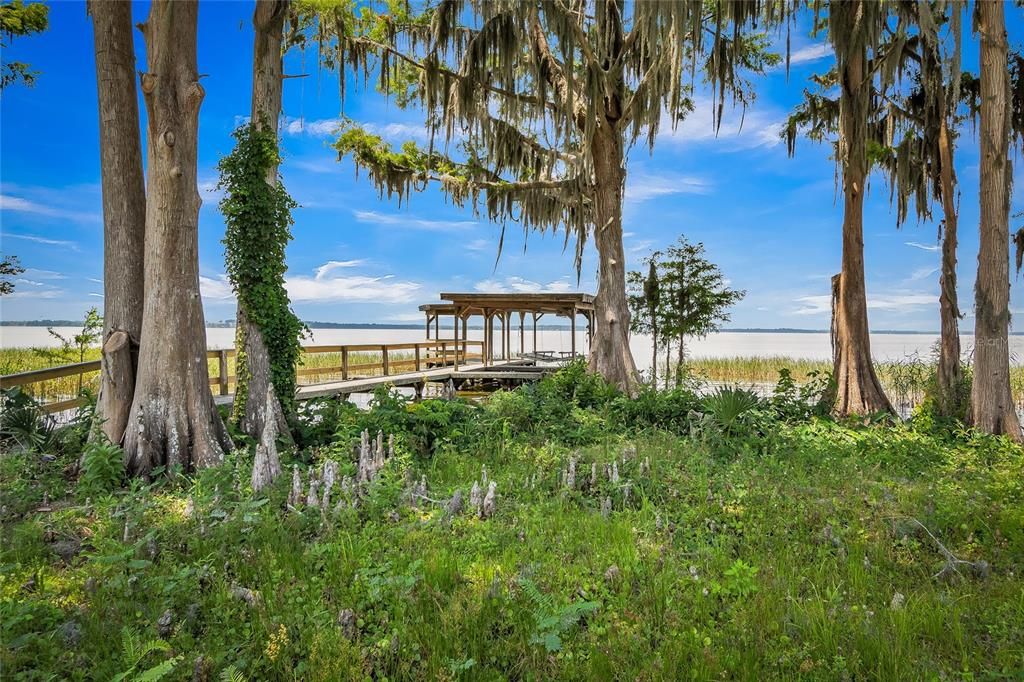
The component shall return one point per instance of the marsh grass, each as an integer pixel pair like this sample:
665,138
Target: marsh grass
905,381
14,360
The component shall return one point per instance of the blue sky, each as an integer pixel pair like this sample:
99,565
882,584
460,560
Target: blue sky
772,223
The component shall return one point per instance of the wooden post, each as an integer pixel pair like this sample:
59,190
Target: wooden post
572,331
522,332
590,329
487,337
428,325
417,357
465,337
384,356
444,353
504,331
534,332
456,325
222,365
344,363
437,326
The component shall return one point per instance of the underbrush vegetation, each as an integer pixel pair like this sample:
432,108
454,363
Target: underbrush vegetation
670,535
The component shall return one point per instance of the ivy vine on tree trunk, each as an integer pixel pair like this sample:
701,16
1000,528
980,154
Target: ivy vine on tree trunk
258,219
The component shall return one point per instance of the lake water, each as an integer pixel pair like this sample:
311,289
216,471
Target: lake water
721,345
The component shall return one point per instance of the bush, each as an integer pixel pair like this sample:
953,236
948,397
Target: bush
102,468
23,422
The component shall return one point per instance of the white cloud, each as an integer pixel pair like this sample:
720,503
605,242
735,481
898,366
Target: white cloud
376,218
22,205
36,293
817,305
480,246
216,288
809,53
44,274
30,282
519,285
327,127
922,273
325,287
644,186
43,240
924,247
96,295
353,288
332,265
739,130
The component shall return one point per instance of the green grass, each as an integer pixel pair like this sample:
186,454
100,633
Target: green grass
775,553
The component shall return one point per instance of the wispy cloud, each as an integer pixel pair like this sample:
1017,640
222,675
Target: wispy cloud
332,265
36,273
924,247
326,287
327,127
480,246
22,205
44,240
644,186
47,294
351,288
216,288
906,301
809,53
411,222
519,285
739,130
922,273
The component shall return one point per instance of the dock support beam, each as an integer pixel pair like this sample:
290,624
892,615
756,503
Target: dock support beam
572,328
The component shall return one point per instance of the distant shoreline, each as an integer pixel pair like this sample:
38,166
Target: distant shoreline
409,325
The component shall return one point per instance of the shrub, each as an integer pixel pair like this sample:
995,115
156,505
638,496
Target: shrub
102,468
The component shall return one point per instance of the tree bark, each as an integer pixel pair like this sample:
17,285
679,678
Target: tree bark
992,408
173,422
251,410
949,375
124,212
654,350
610,355
858,390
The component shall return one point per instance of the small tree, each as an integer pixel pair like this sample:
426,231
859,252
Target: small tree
16,20
644,297
693,298
10,267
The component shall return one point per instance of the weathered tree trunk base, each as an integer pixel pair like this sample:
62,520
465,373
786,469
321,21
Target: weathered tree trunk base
174,433
117,385
857,388
266,466
252,371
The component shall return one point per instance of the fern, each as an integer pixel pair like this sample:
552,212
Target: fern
135,650
550,620
232,674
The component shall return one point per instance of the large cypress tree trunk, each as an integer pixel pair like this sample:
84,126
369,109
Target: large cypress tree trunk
949,376
991,401
610,355
173,419
858,390
124,212
253,408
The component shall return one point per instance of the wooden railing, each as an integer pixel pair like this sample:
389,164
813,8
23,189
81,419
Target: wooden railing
416,357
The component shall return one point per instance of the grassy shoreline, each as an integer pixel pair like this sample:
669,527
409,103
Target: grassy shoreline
906,379
765,545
